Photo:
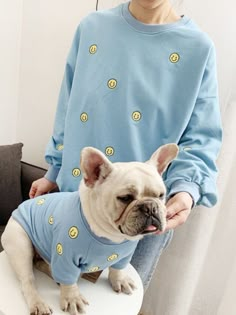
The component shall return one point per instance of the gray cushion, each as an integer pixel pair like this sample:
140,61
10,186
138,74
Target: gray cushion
10,180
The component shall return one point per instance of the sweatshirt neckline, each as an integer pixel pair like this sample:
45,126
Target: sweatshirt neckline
149,28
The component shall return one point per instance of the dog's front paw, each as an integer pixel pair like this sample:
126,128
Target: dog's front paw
120,281
71,300
38,307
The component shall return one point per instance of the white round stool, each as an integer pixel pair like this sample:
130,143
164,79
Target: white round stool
102,299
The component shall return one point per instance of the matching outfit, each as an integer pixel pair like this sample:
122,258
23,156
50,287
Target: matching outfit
129,88
59,231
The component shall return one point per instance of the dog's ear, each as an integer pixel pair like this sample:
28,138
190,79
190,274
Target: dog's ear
94,166
162,157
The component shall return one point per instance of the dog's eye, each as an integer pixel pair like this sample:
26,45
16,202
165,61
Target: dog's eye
126,198
162,195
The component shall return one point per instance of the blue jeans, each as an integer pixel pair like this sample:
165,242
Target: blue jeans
147,254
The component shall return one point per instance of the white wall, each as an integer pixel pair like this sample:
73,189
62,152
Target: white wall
10,31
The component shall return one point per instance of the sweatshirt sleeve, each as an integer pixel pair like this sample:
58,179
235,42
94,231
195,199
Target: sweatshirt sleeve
54,150
194,170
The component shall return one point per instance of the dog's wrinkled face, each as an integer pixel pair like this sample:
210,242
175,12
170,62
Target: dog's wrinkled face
140,201
124,200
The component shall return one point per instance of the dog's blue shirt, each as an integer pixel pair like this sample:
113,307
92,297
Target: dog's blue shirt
60,233
131,87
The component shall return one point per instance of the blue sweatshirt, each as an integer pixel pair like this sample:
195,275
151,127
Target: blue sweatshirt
59,231
130,87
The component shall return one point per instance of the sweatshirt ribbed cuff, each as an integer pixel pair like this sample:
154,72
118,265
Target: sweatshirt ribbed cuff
52,174
184,186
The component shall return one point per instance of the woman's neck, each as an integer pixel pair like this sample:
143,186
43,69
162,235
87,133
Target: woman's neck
159,12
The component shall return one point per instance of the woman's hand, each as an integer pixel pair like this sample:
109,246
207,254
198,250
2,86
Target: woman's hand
178,210
40,187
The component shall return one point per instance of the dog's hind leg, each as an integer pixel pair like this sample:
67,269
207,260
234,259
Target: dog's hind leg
20,252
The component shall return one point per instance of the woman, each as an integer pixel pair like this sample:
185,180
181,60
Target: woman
139,76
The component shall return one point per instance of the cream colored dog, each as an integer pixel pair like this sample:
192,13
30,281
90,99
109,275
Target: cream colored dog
120,202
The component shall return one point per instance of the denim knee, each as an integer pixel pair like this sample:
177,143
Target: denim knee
147,254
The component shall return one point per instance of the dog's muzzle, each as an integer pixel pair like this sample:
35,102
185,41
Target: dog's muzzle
144,218
151,211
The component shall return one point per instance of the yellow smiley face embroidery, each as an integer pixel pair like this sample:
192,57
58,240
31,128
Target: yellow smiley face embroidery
59,249
40,202
73,232
112,83
60,147
136,116
112,257
93,269
93,49
76,172
84,117
109,151
51,220
174,58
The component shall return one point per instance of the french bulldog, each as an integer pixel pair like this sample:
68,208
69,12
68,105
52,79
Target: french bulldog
117,205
